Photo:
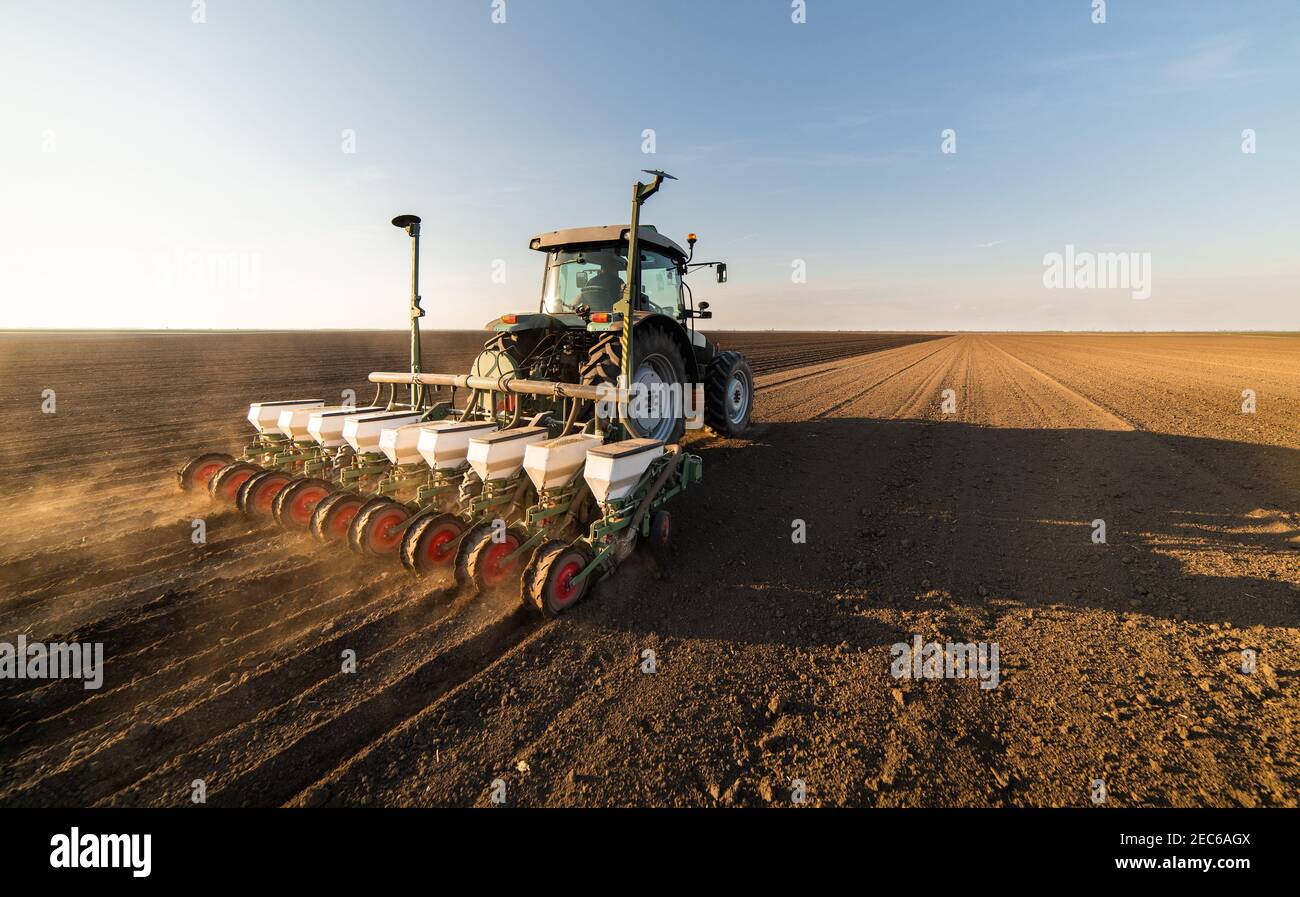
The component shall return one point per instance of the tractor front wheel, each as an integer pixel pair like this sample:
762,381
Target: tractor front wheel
728,394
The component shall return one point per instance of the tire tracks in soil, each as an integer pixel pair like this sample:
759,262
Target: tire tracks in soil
435,704
288,661
358,710
172,668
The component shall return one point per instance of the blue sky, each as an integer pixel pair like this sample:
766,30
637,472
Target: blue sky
166,173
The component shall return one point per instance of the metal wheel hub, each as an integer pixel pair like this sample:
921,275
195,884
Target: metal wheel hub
654,405
738,397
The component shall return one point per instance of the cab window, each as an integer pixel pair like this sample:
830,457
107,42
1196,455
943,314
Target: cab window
661,283
593,278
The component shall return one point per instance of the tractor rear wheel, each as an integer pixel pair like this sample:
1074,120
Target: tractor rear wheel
333,516
551,589
224,485
659,384
728,394
379,528
430,544
489,563
196,474
294,505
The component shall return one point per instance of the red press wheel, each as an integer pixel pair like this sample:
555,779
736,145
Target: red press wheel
491,564
241,494
322,509
354,531
258,493
294,505
476,536
379,528
225,484
194,476
333,516
553,588
431,544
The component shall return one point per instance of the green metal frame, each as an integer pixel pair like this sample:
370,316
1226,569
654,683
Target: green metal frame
439,484
507,492
274,451
548,518
618,515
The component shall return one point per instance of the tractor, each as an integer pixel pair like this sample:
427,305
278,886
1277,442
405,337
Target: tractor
577,335
498,487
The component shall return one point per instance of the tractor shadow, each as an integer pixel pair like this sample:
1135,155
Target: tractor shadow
917,514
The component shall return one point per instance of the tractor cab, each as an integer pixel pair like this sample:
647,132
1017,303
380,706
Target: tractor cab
586,270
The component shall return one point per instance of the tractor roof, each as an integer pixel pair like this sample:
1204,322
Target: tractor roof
608,233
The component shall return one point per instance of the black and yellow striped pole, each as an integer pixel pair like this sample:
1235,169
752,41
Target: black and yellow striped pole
632,287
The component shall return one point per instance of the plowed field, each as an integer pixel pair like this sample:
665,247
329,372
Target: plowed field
965,516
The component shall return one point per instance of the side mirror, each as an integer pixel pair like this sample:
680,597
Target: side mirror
722,272
703,305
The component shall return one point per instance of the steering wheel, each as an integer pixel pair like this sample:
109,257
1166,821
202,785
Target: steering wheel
657,309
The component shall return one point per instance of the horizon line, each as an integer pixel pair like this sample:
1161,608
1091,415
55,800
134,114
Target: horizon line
214,330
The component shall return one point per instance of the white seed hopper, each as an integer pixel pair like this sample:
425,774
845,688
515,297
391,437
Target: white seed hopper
500,455
265,416
293,421
326,427
444,444
613,470
553,463
401,444
362,431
